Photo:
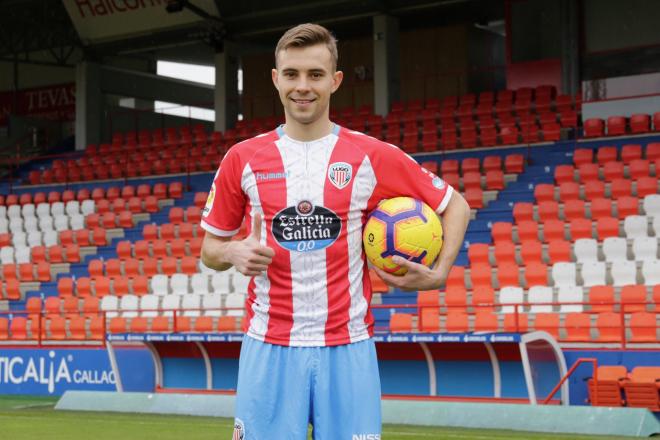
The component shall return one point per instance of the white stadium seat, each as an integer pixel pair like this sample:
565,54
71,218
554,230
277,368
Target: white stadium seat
564,274
88,207
7,255
179,284
593,273
199,283
14,211
212,304
240,282
110,304
170,302
651,272
4,225
50,237
43,209
159,284
636,226
220,282
615,249
3,211
77,221
34,238
652,204
586,249
191,305
72,207
19,239
568,294
149,305
129,306
511,295
645,248
22,255
56,209
624,273
28,210
46,223
540,294
235,300
61,223
16,224
30,224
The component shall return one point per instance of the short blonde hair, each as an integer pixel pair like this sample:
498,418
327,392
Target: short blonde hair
305,35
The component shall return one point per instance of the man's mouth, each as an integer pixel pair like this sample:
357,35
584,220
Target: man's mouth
302,101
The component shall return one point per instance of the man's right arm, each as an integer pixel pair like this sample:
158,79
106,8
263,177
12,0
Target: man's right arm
216,251
249,256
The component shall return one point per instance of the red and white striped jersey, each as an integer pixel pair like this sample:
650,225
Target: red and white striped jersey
314,197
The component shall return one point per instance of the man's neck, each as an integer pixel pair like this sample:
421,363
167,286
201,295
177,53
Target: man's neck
308,132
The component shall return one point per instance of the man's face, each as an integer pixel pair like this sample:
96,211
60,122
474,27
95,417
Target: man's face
305,78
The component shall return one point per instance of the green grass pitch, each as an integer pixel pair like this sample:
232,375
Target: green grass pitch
33,418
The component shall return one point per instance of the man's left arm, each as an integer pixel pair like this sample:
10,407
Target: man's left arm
455,219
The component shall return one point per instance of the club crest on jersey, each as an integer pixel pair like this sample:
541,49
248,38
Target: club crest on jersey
340,174
239,430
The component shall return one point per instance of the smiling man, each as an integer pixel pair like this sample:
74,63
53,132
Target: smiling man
306,187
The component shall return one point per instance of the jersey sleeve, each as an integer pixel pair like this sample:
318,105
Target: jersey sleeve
225,206
398,174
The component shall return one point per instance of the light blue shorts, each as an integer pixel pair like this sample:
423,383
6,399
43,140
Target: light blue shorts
283,389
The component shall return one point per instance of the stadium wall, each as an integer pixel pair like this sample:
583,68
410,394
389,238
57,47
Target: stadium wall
463,370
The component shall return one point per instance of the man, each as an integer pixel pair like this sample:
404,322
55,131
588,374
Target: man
306,187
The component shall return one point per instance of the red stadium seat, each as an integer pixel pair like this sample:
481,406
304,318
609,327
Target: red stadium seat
616,125
647,185
502,231
528,230
548,322
643,327
607,227
582,156
630,152
483,297
478,253
601,208
531,251
523,211
594,127
536,274
633,298
401,322
456,276
626,206
480,275
553,229
580,228
588,172
548,210
594,189
640,123
514,163
578,327
653,149
608,325
508,275
638,168
613,171
457,322
485,321
574,209
544,192
606,154
564,174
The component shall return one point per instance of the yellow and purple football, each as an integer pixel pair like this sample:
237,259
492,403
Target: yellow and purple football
405,227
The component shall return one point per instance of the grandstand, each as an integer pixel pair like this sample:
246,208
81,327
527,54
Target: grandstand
553,301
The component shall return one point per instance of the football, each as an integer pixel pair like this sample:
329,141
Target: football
405,227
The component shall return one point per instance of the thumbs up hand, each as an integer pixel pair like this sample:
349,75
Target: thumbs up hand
249,256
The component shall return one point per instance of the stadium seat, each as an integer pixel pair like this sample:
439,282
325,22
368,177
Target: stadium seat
645,248
548,322
643,327
457,322
537,296
510,295
578,327
401,322
594,127
641,390
559,251
640,123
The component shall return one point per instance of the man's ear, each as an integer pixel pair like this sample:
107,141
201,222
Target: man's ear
337,78
273,75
